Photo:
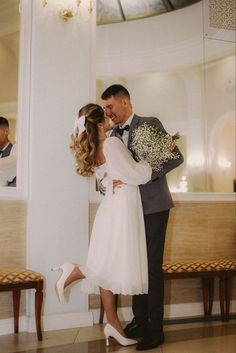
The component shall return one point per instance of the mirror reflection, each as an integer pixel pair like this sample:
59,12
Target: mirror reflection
192,92
9,47
188,83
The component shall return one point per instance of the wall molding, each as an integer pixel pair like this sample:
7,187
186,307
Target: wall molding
204,197
172,311
49,322
82,319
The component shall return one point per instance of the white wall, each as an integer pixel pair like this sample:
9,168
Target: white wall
61,82
156,43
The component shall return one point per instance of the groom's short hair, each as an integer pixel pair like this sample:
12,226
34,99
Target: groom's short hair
115,90
4,122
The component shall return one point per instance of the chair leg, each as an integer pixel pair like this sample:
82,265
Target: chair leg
16,308
222,286
227,296
38,309
211,294
205,295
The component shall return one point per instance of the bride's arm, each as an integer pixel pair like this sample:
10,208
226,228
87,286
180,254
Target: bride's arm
122,166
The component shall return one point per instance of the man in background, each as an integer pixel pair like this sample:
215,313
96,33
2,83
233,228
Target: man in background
7,156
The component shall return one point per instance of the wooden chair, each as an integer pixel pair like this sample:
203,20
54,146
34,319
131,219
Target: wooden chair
17,279
206,271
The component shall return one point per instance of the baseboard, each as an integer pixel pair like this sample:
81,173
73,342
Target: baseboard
172,311
7,325
71,320
49,322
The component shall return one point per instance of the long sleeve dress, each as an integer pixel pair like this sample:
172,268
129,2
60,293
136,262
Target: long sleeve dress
117,256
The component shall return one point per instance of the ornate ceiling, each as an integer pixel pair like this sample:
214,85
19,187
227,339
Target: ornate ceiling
112,11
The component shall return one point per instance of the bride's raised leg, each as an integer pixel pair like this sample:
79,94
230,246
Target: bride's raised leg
75,275
70,274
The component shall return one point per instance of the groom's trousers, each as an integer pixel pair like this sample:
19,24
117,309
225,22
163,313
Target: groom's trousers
148,309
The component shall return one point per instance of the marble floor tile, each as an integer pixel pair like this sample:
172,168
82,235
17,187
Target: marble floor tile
207,337
224,344
19,342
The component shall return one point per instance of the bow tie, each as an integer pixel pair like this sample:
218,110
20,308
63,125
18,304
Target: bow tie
120,130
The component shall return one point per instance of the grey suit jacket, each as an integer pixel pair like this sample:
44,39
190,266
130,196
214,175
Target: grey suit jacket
155,194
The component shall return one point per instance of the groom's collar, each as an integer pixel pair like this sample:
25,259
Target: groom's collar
128,121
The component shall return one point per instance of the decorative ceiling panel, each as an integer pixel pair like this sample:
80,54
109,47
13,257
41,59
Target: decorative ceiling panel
182,3
134,9
111,11
108,11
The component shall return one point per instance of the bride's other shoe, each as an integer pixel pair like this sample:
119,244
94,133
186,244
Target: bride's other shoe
110,331
66,271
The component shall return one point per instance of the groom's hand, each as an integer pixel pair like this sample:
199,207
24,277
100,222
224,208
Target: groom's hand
102,188
171,143
117,184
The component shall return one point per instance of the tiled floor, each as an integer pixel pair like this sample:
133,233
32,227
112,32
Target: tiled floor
208,337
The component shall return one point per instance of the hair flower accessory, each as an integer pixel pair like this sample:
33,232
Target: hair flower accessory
79,126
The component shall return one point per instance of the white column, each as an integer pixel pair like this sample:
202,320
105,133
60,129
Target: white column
62,80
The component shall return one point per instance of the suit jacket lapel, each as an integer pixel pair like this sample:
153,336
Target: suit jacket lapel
134,124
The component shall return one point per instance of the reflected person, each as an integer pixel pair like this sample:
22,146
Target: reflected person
7,156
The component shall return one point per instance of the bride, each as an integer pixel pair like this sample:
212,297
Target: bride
117,259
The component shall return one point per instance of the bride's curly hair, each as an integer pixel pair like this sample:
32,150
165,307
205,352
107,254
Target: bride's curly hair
85,145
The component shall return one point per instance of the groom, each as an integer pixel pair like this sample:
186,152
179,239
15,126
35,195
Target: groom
156,199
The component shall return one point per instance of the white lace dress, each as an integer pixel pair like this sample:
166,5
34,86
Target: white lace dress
117,257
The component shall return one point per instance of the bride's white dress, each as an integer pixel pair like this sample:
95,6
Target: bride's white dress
117,257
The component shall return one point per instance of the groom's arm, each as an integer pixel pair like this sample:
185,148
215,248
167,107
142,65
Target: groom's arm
170,164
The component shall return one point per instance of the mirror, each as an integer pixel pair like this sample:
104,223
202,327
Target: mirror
185,77
9,59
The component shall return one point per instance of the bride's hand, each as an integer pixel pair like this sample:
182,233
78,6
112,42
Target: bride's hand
117,184
171,143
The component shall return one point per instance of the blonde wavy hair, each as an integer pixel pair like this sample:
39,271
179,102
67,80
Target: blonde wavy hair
85,145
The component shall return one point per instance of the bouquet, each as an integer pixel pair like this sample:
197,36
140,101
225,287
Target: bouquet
153,146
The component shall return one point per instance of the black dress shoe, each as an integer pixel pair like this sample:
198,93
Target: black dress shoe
149,342
134,330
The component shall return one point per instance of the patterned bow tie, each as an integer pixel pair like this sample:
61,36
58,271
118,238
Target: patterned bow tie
120,130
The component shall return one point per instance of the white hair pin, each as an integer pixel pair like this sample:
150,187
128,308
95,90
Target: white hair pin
79,125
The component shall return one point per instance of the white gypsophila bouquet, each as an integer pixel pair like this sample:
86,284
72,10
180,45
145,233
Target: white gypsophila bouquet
153,146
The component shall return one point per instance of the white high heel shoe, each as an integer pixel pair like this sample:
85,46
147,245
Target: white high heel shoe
110,331
59,286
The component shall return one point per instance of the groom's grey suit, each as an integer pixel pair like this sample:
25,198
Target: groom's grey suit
156,200
155,195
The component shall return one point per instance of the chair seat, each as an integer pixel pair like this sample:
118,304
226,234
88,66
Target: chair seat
201,266
17,279
18,275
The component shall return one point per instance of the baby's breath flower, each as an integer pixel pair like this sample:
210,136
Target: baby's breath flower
152,146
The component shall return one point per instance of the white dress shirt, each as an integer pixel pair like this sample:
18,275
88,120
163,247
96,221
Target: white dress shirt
125,136
8,167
